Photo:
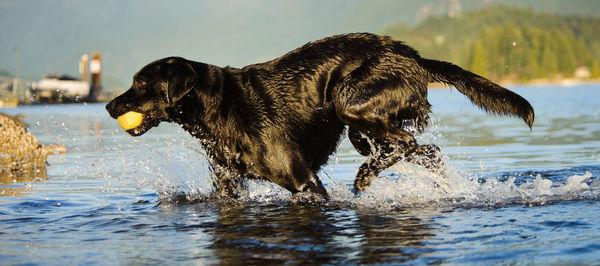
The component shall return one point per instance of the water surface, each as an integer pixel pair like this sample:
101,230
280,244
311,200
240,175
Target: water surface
513,195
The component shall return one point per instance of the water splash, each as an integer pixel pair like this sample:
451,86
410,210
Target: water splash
418,188
174,178
177,170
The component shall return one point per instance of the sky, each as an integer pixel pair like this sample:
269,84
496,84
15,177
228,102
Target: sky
52,35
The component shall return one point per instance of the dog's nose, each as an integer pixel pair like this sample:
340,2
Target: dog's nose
110,108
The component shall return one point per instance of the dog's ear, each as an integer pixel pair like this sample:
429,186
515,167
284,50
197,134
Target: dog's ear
181,78
179,87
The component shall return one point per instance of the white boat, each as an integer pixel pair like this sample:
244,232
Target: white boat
60,88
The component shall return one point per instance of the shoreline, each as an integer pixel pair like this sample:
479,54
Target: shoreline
562,82
550,82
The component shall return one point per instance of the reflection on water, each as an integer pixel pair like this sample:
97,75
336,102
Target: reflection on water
276,233
15,185
258,233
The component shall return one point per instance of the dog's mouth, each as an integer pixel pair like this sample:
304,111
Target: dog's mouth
136,124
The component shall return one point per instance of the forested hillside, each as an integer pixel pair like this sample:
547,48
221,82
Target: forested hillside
511,44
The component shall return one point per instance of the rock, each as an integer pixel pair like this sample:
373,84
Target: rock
21,155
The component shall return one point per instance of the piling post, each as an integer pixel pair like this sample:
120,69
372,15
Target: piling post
16,80
83,67
96,70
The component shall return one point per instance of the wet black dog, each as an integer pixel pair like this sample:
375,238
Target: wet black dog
282,119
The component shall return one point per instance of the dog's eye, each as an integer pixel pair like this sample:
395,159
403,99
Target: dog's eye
140,83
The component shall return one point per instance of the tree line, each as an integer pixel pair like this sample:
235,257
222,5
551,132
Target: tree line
507,43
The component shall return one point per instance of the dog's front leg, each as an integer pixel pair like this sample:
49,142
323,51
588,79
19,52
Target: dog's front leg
226,183
287,167
428,156
382,153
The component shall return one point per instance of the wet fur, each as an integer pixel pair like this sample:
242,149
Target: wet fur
281,120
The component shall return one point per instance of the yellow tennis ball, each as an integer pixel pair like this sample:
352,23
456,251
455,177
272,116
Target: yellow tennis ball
130,120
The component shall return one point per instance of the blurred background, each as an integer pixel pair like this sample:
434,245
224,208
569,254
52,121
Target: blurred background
509,41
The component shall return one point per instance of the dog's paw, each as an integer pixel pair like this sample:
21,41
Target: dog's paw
357,193
308,198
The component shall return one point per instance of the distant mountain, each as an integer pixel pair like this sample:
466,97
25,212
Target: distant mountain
380,13
511,43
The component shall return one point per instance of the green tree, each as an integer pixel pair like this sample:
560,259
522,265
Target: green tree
595,70
549,62
478,60
565,55
534,48
517,43
582,53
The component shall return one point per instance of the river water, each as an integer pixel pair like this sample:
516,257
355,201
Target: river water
513,196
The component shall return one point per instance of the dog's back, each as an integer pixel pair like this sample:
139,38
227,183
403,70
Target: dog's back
332,59
321,67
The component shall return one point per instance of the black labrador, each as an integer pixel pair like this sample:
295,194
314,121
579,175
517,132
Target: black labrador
281,120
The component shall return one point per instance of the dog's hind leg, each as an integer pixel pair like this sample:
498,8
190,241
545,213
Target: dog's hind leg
383,153
428,156
380,101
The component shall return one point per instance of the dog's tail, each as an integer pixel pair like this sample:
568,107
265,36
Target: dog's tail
489,96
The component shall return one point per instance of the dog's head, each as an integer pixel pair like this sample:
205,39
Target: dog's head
155,90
